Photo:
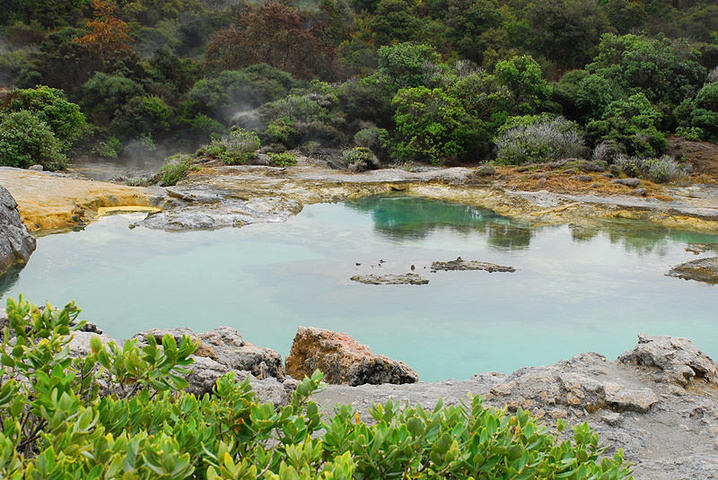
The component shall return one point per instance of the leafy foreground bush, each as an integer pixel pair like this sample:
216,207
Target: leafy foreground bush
534,139
57,425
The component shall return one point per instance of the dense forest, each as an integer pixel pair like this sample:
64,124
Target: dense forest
396,81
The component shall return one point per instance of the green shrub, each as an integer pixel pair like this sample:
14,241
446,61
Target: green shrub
50,105
146,114
221,97
207,126
175,169
690,133
25,140
433,126
109,148
282,130
375,139
282,159
233,149
58,424
522,75
705,112
537,140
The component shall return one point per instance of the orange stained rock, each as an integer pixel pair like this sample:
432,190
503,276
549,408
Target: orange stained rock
51,202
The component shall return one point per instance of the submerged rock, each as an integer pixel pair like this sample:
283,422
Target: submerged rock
343,360
461,264
16,244
390,279
701,270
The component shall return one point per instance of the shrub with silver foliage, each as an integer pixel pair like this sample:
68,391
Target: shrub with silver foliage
360,159
659,170
608,151
233,149
712,76
543,140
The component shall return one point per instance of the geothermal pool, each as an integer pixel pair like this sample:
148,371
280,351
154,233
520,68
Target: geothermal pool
575,289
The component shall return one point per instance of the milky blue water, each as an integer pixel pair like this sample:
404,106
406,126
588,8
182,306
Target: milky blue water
574,289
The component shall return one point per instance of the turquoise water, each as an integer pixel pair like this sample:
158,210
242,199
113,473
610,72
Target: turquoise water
575,289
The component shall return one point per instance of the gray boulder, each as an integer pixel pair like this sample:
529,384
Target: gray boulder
672,359
204,374
580,383
16,244
230,349
226,346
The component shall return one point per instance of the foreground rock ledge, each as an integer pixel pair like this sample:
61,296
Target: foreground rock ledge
658,402
343,360
16,244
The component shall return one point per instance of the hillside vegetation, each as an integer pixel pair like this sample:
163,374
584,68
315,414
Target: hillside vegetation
433,81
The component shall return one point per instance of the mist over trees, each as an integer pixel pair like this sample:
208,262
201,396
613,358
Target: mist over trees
438,81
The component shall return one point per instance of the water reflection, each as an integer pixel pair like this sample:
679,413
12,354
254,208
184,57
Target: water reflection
637,237
509,237
401,218
9,278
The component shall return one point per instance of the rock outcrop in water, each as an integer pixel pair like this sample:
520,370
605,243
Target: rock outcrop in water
16,244
390,279
343,360
461,264
701,270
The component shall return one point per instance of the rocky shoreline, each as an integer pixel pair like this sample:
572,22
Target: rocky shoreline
231,196
657,402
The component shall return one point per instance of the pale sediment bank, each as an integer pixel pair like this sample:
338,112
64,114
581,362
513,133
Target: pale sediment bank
50,202
234,196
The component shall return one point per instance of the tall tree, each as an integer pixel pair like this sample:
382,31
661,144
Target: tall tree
109,35
278,35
